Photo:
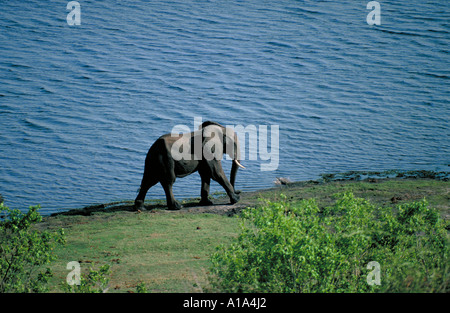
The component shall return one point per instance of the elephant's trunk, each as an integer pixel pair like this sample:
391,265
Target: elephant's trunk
236,160
234,169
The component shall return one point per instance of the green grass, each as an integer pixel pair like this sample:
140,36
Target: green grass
167,252
170,251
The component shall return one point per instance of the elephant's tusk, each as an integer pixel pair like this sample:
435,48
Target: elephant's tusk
239,164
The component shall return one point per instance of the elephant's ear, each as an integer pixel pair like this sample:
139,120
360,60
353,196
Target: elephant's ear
209,123
212,132
232,144
213,145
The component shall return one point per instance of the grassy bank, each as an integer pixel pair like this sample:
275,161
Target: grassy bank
169,251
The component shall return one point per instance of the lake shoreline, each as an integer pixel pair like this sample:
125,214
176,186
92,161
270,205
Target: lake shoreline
221,205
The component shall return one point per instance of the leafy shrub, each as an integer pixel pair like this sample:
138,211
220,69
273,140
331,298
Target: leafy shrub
296,247
24,251
141,288
96,281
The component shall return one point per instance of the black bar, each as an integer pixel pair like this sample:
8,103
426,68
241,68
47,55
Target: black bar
224,302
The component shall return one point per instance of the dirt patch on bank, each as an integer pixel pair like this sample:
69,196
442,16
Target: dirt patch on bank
219,206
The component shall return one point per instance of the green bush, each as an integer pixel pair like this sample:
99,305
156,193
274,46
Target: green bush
96,281
24,251
297,247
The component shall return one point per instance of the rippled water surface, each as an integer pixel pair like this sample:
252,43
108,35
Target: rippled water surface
81,105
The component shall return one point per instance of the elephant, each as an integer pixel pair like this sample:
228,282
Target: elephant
178,155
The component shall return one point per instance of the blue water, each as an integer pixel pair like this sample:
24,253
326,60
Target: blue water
81,105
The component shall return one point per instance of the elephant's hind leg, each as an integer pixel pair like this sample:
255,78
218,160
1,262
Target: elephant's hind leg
147,182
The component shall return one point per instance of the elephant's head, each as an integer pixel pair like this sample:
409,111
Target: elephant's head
219,140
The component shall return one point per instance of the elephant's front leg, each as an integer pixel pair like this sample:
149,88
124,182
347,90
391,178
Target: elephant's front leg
206,181
220,177
172,204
